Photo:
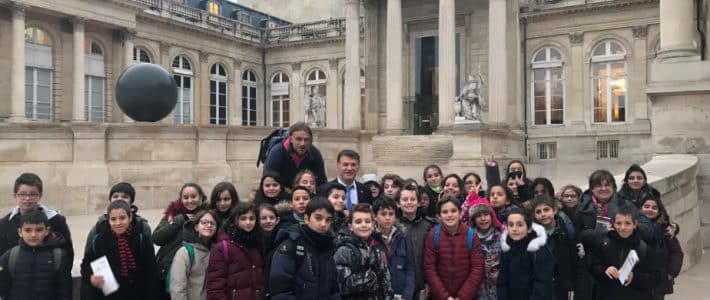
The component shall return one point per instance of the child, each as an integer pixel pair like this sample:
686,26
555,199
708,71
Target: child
488,229
433,187
308,179
168,233
610,253
389,237
336,195
561,241
453,186
130,255
270,190
300,196
268,223
499,196
27,192
223,198
416,226
236,266
391,184
362,272
189,267
668,253
372,183
302,266
471,200
37,259
526,267
453,261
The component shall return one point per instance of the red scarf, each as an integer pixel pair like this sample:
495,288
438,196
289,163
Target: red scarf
603,207
128,262
176,208
297,159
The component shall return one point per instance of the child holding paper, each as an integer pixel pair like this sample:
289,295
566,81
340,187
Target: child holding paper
130,255
610,254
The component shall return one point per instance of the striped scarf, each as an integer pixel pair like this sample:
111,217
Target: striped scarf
128,263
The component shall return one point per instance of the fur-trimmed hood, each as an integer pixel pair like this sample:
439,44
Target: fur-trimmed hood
535,243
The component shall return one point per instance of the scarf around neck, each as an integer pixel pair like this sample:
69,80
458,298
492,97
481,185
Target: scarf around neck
128,262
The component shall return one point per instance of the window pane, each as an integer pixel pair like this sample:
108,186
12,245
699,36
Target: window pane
556,117
616,48
540,56
555,55
600,50
539,74
540,118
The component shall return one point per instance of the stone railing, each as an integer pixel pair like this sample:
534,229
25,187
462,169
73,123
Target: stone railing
306,31
538,5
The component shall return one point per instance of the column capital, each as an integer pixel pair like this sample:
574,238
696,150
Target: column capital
576,38
203,56
237,64
333,63
78,23
18,9
296,66
350,2
128,34
640,32
164,48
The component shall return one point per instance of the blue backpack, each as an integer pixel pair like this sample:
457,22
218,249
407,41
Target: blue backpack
437,234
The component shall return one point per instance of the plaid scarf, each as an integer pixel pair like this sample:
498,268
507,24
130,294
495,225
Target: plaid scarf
128,262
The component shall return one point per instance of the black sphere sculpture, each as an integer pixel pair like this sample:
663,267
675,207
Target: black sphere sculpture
146,92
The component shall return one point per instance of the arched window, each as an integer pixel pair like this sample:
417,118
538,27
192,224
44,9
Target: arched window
183,75
140,55
249,98
547,87
609,82
94,82
316,98
218,95
280,100
38,74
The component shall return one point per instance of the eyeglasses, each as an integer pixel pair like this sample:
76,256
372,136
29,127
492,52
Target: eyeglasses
569,195
207,223
28,196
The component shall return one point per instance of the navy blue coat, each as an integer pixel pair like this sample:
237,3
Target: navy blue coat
399,262
302,266
34,275
280,162
526,268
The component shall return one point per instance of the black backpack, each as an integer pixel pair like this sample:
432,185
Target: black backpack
274,138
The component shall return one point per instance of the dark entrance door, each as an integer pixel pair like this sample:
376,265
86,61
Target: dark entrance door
426,104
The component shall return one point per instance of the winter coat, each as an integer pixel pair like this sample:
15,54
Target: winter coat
34,273
187,281
168,233
526,267
490,244
57,223
502,214
363,193
524,191
452,270
397,252
587,213
430,211
362,274
562,244
637,197
146,228
281,163
668,256
236,274
415,231
141,283
612,250
302,266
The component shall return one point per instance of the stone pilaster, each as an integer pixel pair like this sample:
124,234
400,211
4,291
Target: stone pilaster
17,90
447,63
351,103
78,75
235,110
394,66
128,35
497,61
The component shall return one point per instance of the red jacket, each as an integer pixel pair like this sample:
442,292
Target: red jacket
453,270
240,277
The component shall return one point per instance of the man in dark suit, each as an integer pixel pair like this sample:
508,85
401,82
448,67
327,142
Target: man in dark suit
348,167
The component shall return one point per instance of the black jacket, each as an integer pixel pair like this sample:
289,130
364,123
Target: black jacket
57,223
34,273
280,162
363,193
587,214
141,283
415,232
526,267
637,197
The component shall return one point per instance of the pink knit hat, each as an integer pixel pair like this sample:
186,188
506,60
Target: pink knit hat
481,205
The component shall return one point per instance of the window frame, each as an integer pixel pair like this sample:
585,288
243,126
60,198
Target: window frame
216,78
183,74
607,60
548,65
251,89
280,100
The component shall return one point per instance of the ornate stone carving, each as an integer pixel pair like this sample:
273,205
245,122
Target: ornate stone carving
576,38
78,23
164,48
18,9
469,104
333,63
203,56
128,34
640,32
237,64
296,66
315,106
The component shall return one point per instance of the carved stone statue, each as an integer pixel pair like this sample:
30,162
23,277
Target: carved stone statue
315,107
469,104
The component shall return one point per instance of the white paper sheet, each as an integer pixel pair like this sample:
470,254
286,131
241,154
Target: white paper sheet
101,267
631,259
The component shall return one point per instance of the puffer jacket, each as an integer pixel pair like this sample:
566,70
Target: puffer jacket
362,274
612,250
397,251
234,274
34,275
302,266
187,281
526,267
415,231
490,244
452,270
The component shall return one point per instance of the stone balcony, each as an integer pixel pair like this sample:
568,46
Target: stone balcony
536,8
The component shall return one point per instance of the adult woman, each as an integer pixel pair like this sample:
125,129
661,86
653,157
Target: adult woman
223,198
189,267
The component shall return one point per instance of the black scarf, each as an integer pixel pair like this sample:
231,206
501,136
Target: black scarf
247,239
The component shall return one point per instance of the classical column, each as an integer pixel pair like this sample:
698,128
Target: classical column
128,36
17,89
296,94
235,107
394,66
78,84
497,61
678,30
447,62
351,116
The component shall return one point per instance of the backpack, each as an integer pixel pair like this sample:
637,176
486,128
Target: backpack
568,225
437,234
15,252
274,138
190,254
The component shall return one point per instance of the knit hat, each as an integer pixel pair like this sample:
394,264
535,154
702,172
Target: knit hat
370,178
480,206
123,187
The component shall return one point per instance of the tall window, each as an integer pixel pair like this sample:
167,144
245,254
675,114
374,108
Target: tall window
280,100
140,55
38,74
316,95
609,82
547,87
249,98
213,8
183,75
93,82
218,95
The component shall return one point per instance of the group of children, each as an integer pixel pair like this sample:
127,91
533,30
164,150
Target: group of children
446,239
